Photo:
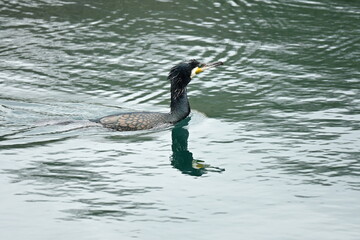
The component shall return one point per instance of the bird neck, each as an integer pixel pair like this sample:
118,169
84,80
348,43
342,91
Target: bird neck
180,107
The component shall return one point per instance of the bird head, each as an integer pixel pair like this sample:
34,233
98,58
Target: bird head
181,74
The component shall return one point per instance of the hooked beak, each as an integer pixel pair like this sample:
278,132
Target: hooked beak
205,66
210,65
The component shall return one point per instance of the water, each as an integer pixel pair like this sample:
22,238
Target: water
270,151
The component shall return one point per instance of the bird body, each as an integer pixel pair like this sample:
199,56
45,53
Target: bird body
135,121
179,77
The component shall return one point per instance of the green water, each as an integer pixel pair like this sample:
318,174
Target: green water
270,150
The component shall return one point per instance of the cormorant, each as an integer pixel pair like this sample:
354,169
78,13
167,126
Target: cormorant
180,75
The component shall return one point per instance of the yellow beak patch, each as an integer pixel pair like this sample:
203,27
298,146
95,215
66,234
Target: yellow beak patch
198,70
195,71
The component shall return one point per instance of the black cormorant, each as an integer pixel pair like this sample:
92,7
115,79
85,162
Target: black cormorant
179,77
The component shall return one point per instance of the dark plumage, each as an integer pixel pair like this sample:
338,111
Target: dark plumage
179,77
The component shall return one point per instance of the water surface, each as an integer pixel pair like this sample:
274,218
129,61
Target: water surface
270,150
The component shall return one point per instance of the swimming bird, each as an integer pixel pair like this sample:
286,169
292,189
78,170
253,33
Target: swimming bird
180,76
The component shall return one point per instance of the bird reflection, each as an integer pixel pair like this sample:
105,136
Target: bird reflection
182,158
